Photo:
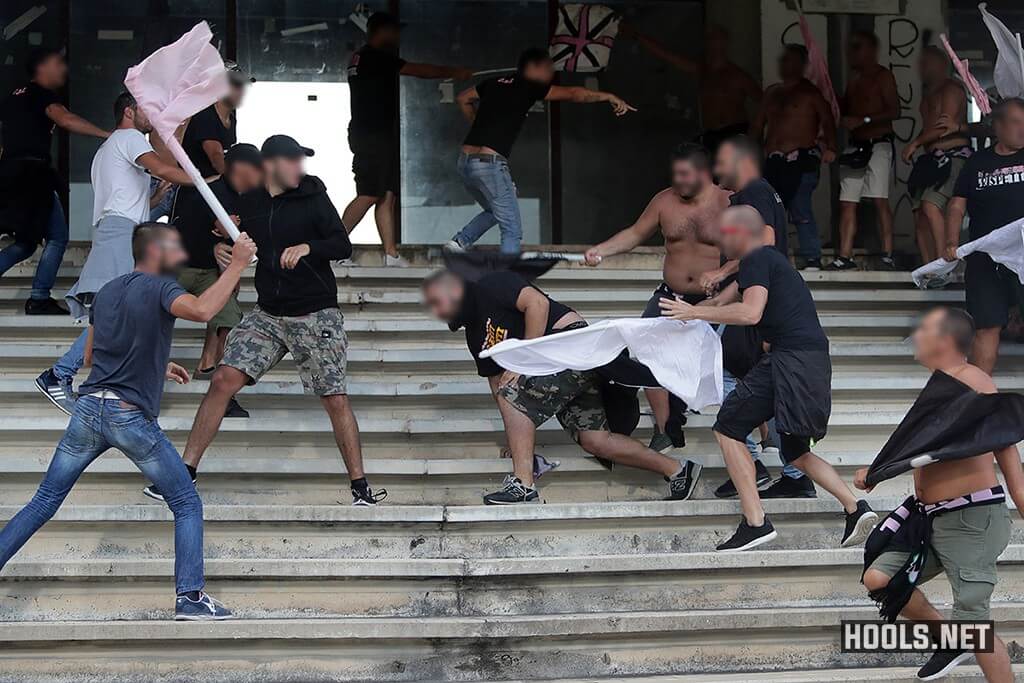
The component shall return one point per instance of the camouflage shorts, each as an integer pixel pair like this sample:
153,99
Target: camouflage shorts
316,341
573,396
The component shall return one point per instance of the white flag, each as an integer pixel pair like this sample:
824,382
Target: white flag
1008,75
1004,245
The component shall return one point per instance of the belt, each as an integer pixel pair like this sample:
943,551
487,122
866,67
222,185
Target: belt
105,395
487,158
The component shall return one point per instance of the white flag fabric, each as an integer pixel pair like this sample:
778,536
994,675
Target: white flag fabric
1007,74
685,358
1004,245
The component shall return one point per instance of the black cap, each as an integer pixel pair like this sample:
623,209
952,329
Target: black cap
284,146
236,74
243,153
379,20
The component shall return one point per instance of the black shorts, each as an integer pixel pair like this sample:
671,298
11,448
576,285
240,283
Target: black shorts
374,163
992,289
653,310
794,387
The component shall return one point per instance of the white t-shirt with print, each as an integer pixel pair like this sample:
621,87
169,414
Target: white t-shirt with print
120,185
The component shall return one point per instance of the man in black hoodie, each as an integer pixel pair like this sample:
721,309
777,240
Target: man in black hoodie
299,233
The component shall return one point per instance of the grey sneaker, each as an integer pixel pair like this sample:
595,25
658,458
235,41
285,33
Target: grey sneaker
513,492
660,442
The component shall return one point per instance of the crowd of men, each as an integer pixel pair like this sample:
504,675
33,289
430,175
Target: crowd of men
724,221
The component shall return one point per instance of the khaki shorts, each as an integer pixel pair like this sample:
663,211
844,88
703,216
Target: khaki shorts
198,280
573,396
316,341
965,544
870,182
939,196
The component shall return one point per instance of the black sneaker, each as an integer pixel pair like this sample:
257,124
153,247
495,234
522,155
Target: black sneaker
859,524
513,492
788,487
842,263
235,410
153,492
887,262
681,486
764,479
660,442
941,663
47,306
365,497
57,390
747,537
812,264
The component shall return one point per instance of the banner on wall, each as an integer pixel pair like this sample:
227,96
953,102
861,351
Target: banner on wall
584,37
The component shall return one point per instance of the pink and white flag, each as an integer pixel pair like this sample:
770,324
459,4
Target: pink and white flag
174,83
977,92
817,67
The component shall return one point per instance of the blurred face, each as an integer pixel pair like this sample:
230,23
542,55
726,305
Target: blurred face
791,66
931,68
726,167
716,44
236,93
52,73
386,38
687,179
1010,128
139,120
284,172
930,342
541,72
245,177
444,299
861,52
734,240
169,253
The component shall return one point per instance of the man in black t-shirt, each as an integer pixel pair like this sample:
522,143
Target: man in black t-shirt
497,109
503,305
990,190
791,382
373,129
208,252
29,207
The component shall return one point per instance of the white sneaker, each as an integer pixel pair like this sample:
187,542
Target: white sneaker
453,246
395,261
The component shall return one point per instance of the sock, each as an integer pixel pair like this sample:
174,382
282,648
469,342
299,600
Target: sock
191,595
682,467
191,470
360,484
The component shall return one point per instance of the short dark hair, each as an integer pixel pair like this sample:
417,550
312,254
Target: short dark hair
746,146
39,55
958,323
381,20
531,55
145,234
692,153
123,101
797,50
1002,107
439,276
867,35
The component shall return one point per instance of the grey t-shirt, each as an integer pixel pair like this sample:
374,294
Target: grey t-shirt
131,340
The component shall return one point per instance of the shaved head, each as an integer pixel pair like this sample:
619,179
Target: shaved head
742,230
743,216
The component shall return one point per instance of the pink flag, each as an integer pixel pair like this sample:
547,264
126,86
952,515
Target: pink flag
977,92
817,67
174,83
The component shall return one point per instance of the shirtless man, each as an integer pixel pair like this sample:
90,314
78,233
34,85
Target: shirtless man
935,172
686,214
723,88
969,535
870,105
792,115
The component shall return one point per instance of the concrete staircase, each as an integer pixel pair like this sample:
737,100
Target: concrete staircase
604,580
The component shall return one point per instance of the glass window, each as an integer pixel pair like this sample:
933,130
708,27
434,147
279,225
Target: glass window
480,35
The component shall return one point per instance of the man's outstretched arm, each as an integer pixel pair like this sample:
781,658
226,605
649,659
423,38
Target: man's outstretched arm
747,311
73,123
203,308
561,93
627,240
435,71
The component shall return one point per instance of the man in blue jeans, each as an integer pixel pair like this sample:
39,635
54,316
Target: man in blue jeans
128,345
497,109
56,239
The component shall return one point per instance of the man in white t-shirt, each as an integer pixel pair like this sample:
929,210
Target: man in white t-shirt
121,172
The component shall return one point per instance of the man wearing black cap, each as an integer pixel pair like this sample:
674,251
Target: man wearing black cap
298,233
373,130
29,208
208,253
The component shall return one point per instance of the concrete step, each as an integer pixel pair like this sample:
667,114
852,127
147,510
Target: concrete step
965,672
130,589
448,648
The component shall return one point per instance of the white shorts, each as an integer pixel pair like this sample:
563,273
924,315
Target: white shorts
870,182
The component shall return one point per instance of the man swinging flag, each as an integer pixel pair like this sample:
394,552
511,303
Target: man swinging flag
584,37
174,83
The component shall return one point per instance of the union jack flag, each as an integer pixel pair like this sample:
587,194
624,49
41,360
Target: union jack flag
584,37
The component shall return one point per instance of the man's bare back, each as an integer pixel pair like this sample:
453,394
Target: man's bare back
866,95
948,99
691,244
792,116
947,480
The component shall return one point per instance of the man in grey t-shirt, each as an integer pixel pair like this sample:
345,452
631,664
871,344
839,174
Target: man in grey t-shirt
128,346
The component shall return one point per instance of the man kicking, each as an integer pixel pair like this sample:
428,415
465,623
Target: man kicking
132,321
503,305
792,382
686,214
966,506
296,309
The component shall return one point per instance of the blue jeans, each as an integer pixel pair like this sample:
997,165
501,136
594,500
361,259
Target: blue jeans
166,204
728,385
96,426
68,365
56,238
801,214
490,183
